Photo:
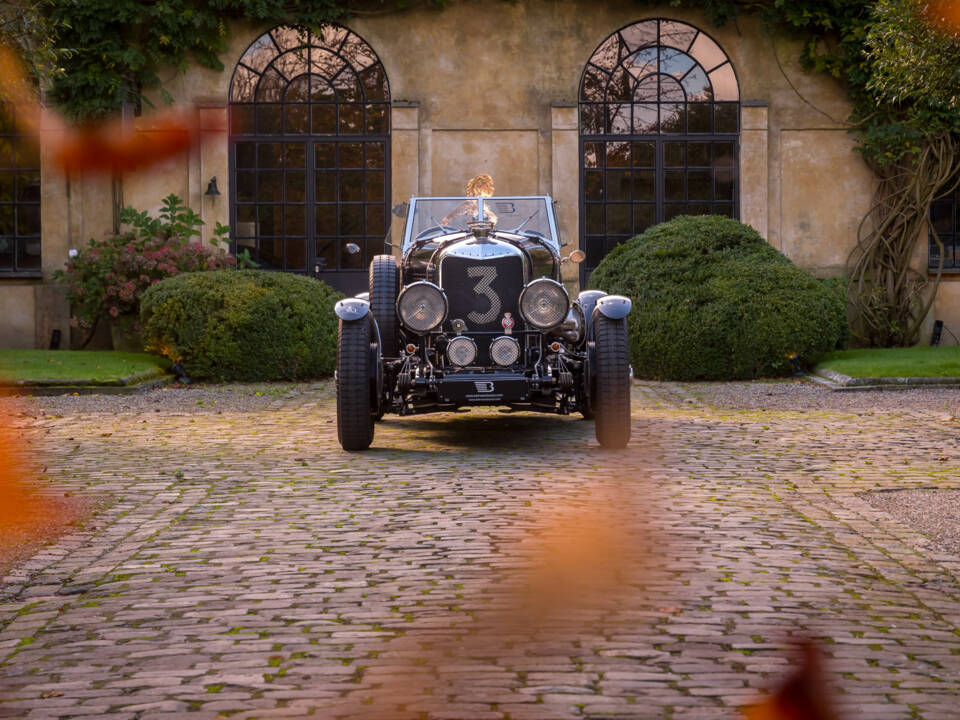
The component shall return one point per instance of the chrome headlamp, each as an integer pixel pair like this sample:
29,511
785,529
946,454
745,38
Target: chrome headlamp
422,306
504,350
544,303
461,351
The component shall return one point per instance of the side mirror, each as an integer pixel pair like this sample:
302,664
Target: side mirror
351,248
576,257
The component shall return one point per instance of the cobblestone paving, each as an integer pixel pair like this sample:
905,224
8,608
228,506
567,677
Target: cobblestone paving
243,566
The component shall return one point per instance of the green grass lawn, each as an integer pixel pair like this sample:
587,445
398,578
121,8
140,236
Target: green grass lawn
87,366
895,362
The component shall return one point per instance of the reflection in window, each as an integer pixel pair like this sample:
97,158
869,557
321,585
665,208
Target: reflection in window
659,118
309,123
19,197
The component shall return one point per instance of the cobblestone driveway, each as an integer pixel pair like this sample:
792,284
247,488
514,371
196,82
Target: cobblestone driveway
243,566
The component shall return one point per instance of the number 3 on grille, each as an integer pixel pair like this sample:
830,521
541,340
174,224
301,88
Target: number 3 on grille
487,275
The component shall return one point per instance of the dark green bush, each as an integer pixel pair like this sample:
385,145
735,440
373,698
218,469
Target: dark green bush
243,324
713,300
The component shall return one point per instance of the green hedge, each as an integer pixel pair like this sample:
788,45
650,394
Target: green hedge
243,325
713,300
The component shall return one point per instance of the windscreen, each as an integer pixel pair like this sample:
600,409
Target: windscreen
445,215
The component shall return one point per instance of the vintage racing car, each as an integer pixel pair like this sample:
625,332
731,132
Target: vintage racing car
474,313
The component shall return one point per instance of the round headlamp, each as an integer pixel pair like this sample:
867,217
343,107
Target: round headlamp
504,350
544,303
422,306
461,351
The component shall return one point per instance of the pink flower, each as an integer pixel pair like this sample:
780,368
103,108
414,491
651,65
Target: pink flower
113,311
74,322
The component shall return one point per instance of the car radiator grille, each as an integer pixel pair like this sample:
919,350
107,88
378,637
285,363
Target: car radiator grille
480,292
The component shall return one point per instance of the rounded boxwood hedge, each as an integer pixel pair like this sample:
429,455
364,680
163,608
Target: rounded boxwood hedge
243,324
714,301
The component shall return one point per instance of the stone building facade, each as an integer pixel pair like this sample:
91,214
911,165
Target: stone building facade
625,116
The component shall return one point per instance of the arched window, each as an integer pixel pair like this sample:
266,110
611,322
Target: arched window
659,128
310,153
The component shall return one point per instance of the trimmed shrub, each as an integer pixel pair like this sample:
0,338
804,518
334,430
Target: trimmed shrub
714,301
243,325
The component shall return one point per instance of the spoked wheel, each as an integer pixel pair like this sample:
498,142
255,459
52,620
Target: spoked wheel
355,368
384,286
611,404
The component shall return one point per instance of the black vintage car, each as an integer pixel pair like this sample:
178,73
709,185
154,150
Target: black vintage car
474,313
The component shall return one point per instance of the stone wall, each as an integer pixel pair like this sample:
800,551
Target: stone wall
492,87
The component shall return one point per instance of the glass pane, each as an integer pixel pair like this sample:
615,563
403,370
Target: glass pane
298,90
700,118
647,90
28,252
673,154
357,52
644,154
246,187
246,220
351,219
697,86
724,184
618,185
671,90
699,186
618,119
619,220
594,247
295,155
672,211
246,155
321,90
351,119
706,52
326,187
593,83
327,254
698,154
374,83
269,155
725,210
591,119
269,188
618,154
374,154
644,187
326,155
296,253
592,154
673,185
676,34
6,187
295,219
6,220
241,119
351,186
594,219
723,154
271,250
640,34
244,85
28,187
6,252
350,155
260,53
374,186
375,223
296,119
728,120
271,86
269,216
324,119
643,217
619,87
326,219
593,185
6,153
28,154
296,187
699,209
724,82
377,120
672,117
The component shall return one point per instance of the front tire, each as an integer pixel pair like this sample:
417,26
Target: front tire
611,404
355,416
384,286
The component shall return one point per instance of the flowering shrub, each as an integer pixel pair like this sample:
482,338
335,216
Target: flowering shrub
107,278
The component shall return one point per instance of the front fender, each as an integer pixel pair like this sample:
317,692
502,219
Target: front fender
615,307
350,309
